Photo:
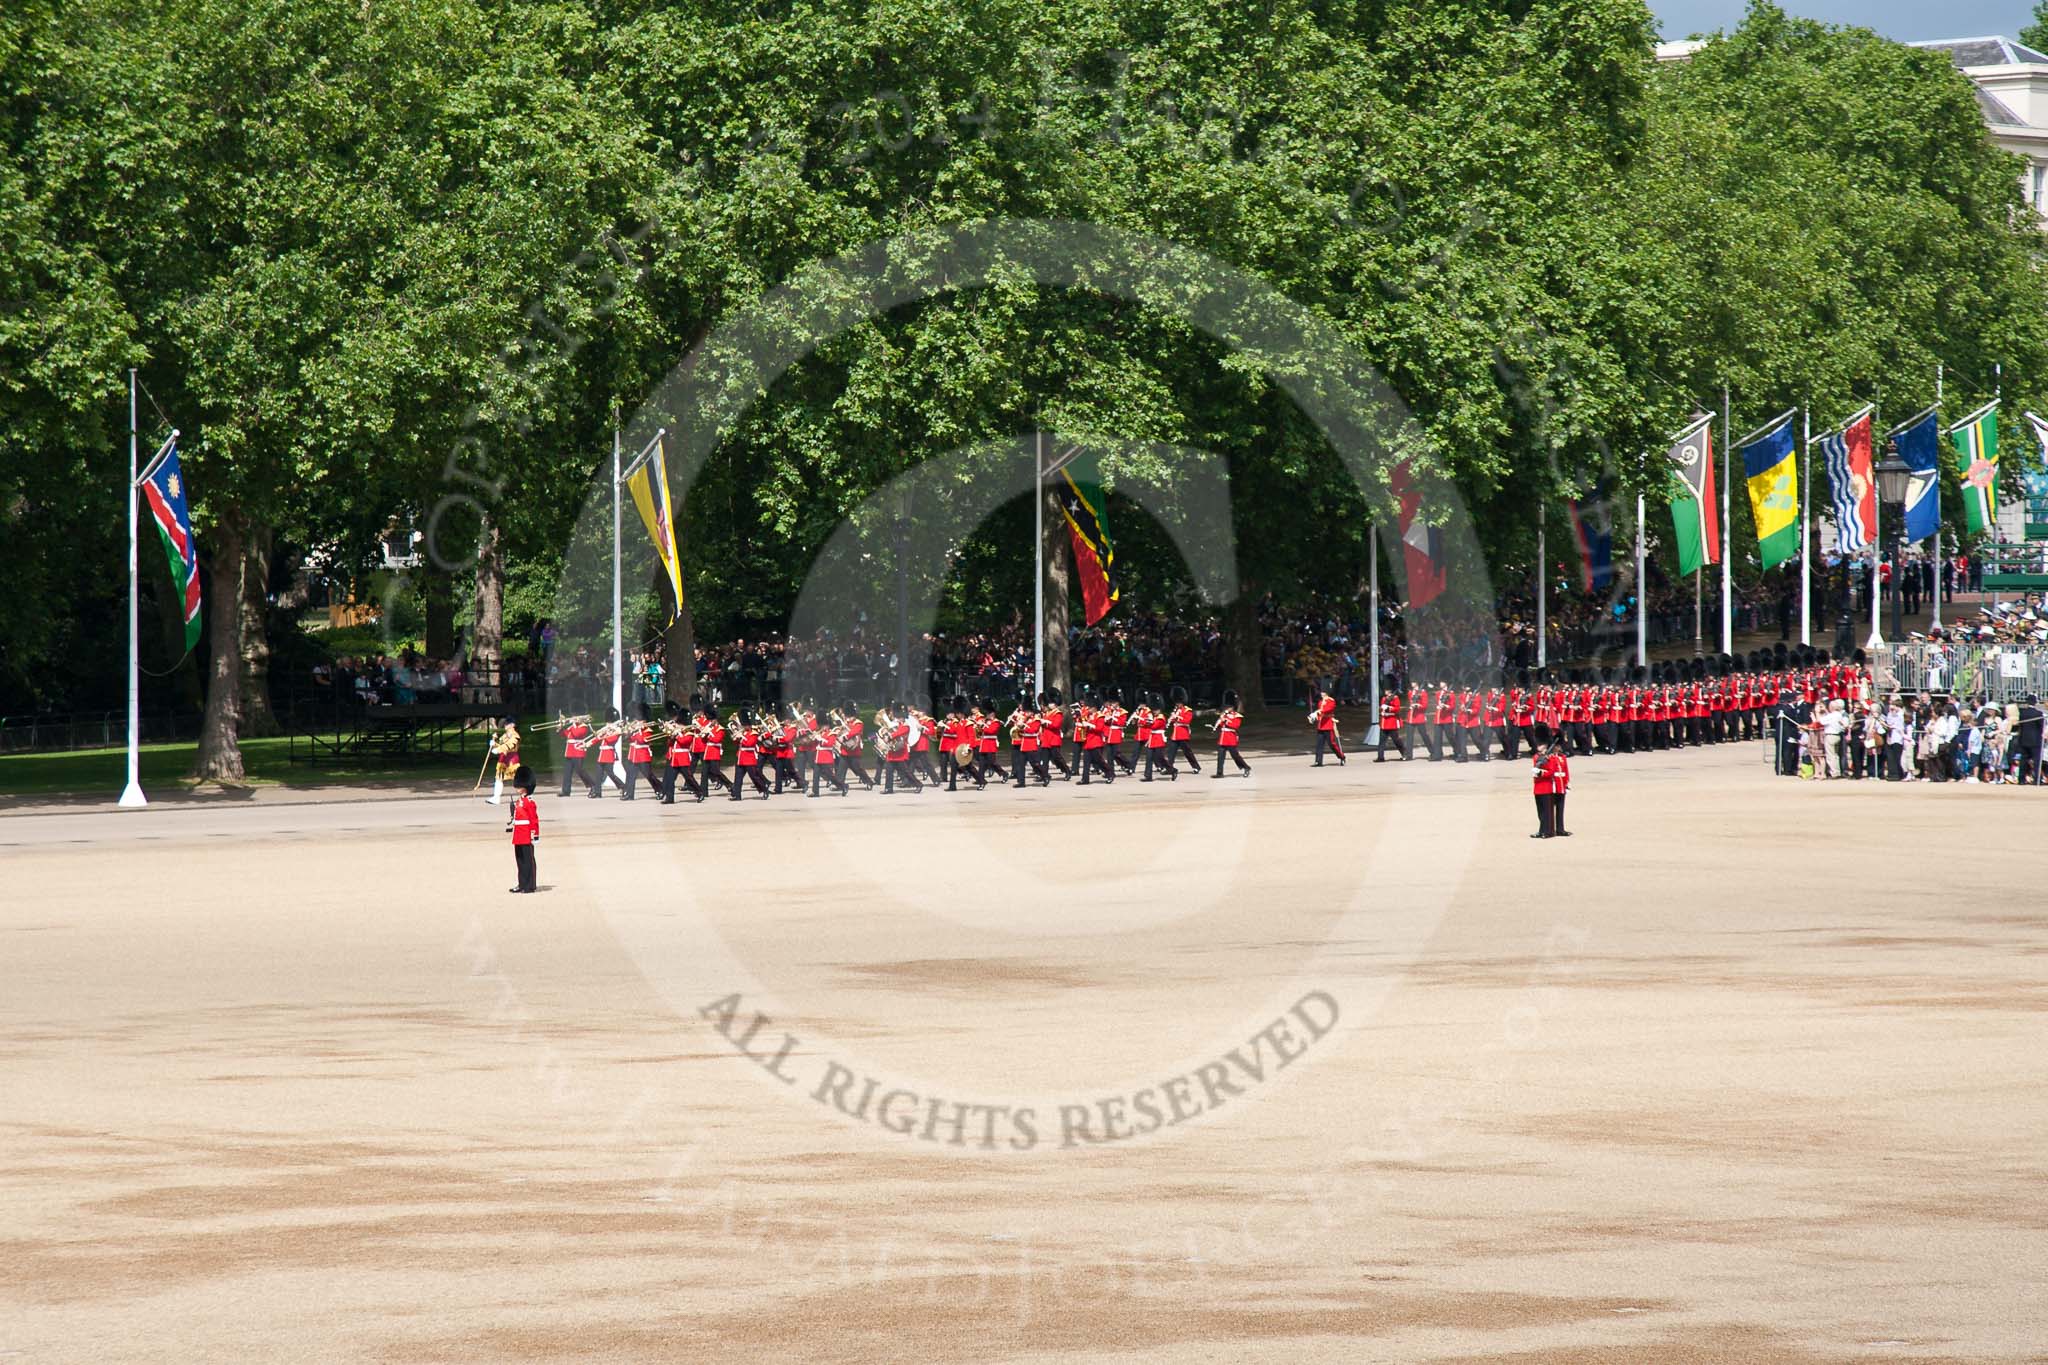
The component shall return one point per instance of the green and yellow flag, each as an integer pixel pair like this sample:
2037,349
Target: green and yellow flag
1773,490
1976,441
648,483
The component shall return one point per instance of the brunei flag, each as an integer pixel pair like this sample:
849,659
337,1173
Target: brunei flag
648,483
1087,514
164,488
1976,440
1773,477
1696,508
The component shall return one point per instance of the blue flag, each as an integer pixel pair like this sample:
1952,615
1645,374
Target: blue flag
1594,532
1920,447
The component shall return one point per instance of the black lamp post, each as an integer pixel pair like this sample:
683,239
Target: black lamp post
1894,477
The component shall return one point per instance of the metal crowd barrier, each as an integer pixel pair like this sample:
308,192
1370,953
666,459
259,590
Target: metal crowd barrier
1996,672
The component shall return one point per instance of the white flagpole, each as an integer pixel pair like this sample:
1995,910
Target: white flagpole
131,795
1372,548
618,611
1727,527
1038,563
1877,543
1937,506
1542,592
1806,531
1642,598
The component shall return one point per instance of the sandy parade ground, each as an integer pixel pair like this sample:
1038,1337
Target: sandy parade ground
1324,1065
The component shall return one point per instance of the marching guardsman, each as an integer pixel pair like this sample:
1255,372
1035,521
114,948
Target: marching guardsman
1180,724
1391,707
1493,718
608,753
575,745
988,743
1472,722
784,735
825,755
1152,736
922,727
1464,720
893,733
681,759
1444,719
1322,718
1418,720
853,748
505,746
1231,720
639,758
746,758
1023,727
1114,720
524,827
1088,736
1052,722
710,765
1521,715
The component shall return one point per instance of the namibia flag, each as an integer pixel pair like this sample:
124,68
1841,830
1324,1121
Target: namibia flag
164,487
1081,503
1773,477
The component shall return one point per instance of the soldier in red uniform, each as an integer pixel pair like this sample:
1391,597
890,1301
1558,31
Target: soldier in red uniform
1443,721
1521,715
607,754
639,758
1391,706
1418,720
1152,737
712,755
1231,719
1551,771
681,759
988,743
896,736
1115,718
1180,732
1493,714
1322,714
853,747
1464,722
524,827
575,747
1052,725
824,743
783,736
1025,727
748,742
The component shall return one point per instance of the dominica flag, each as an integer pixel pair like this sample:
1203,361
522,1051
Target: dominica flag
1696,509
163,486
1593,529
1976,442
1087,515
1773,477
648,483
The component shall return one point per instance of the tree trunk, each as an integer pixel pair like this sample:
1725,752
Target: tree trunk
487,648
257,717
220,750
679,656
1242,642
1059,670
440,593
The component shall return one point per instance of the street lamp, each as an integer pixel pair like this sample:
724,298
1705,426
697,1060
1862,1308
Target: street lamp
1894,477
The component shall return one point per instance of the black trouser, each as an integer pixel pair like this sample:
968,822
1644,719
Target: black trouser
1546,819
990,764
684,776
1557,813
607,772
953,770
1432,735
1129,762
892,769
1389,739
1483,739
920,762
1054,755
712,773
850,763
744,773
1157,758
1182,747
1244,767
826,772
637,771
1458,742
1894,762
1510,741
572,773
1093,760
1604,733
522,859
1018,761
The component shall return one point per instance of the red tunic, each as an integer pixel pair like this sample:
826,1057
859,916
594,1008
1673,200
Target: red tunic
525,821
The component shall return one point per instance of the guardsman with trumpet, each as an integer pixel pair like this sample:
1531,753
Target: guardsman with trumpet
988,744
681,757
824,742
712,755
607,738
1025,728
1115,719
639,757
852,745
1180,724
1419,731
1322,715
748,744
1392,705
1052,723
575,747
1091,734
1229,721
787,733
1152,735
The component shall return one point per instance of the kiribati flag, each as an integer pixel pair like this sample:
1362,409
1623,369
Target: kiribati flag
164,487
1852,483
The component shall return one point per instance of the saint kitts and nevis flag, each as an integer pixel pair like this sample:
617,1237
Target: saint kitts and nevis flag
1976,443
1773,477
1696,508
1086,513
163,486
